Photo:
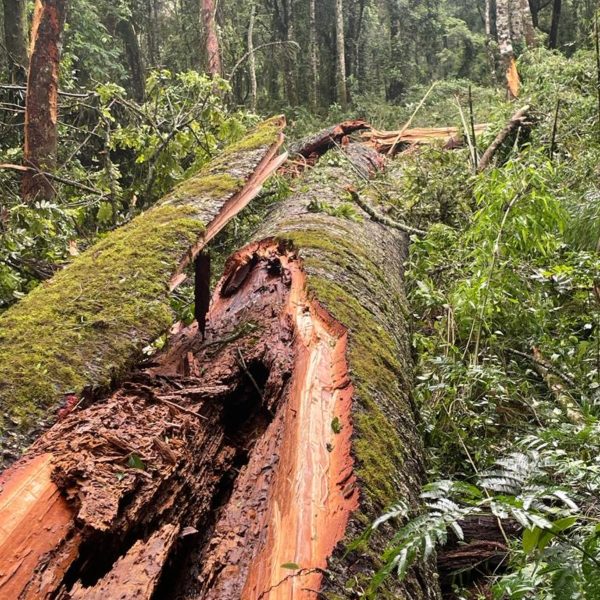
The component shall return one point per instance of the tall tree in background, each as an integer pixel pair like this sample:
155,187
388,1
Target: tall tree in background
213,53
342,92
252,58
134,58
15,36
556,10
41,114
313,57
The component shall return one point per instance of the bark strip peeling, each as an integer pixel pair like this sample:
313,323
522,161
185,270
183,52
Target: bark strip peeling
89,323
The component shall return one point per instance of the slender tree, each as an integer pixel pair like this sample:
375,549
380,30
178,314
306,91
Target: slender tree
213,54
313,55
556,11
252,58
41,115
15,37
342,92
134,58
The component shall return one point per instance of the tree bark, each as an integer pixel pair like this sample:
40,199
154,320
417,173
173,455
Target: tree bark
252,59
554,27
134,59
313,55
15,38
289,65
342,91
507,53
237,466
41,114
93,319
213,53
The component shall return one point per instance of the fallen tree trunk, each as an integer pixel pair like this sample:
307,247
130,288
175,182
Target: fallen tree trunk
237,466
88,324
384,141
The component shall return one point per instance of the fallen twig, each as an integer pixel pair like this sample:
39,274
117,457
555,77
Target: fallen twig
379,218
516,121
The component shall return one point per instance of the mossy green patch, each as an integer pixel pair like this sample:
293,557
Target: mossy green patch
264,134
91,319
206,184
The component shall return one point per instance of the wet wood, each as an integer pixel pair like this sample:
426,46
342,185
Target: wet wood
256,446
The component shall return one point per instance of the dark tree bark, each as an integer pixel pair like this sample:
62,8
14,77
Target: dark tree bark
41,115
213,52
554,27
134,59
15,38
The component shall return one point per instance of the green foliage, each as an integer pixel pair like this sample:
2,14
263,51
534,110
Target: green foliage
129,154
513,268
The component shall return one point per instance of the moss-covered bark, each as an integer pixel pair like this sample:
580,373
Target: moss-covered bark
354,270
86,326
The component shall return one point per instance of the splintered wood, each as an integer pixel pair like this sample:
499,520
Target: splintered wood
244,460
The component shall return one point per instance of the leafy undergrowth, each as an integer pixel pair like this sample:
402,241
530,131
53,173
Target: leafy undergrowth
504,290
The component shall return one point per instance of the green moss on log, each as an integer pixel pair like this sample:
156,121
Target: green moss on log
90,322
76,329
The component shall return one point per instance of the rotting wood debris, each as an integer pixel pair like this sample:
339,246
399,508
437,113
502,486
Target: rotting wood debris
250,447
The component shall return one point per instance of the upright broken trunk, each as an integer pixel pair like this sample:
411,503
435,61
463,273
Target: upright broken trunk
83,328
237,466
41,112
507,53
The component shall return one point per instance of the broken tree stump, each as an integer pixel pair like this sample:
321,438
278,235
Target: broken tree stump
89,323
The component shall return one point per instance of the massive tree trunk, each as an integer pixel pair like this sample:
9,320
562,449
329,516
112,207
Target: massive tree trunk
556,10
342,92
41,115
15,38
82,329
134,59
238,465
213,53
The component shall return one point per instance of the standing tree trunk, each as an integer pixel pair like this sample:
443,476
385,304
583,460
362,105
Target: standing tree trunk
507,53
15,38
41,114
213,54
313,56
134,59
556,10
289,64
252,59
342,91
528,26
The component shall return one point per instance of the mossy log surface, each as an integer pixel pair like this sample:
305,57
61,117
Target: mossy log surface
88,324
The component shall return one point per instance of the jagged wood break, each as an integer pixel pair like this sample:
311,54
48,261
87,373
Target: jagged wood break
89,323
238,465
